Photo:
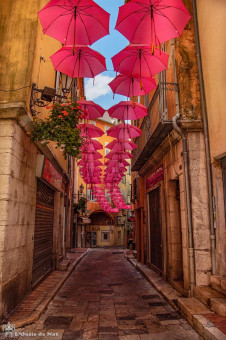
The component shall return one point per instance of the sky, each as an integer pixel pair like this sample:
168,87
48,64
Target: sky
109,45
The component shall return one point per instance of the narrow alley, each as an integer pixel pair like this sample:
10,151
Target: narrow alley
105,298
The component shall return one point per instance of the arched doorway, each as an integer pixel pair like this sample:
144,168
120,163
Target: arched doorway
103,231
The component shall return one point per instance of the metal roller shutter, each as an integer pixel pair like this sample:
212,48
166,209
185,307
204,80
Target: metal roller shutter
43,235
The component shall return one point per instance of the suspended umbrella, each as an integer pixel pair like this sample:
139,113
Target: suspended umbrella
90,130
130,86
124,131
78,61
91,156
127,110
80,22
123,162
140,61
119,154
89,147
88,142
92,110
125,145
91,163
152,21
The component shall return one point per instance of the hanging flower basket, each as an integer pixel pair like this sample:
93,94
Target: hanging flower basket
60,126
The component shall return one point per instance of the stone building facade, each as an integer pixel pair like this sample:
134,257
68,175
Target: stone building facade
170,166
36,182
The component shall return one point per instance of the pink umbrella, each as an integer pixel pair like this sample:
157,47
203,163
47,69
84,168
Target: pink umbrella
119,154
74,21
88,142
92,110
90,130
129,86
91,156
123,162
152,22
140,61
124,145
124,131
78,61
89,147
127,110
92,163
115,170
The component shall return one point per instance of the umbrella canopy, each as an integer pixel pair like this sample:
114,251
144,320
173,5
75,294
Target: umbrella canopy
95,162
123,162
123,145
74,21
119,154
129,86
124,131
91,155
128,110
140,61
92,110
152,22
90,147
90,130
88,141
78,61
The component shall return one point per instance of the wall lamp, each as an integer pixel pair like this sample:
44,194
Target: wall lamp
41,97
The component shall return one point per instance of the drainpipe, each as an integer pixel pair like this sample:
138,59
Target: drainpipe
206,137
189,210
67,206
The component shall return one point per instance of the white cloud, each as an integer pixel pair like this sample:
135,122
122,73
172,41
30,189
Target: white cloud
99,88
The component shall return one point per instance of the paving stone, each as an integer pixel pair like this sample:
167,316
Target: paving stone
105,298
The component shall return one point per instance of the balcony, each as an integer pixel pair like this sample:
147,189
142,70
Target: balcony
157,124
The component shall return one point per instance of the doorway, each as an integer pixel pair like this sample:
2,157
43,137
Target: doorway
156,251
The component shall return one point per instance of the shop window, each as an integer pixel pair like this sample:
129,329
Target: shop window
105,236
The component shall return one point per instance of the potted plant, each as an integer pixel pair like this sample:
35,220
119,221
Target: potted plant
60,126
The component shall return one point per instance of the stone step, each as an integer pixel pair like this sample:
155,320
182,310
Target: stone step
218,305
190,307
205,293
218,283
63,265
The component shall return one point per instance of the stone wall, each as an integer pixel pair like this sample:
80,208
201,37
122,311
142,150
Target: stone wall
17,213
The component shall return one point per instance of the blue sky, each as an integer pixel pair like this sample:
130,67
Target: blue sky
101,93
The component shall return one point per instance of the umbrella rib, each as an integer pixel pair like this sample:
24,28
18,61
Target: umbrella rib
138,26
61,15
84,56
69,28
85,28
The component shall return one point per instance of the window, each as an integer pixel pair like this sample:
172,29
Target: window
90,196
105,236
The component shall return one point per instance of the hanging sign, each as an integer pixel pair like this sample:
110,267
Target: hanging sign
154,178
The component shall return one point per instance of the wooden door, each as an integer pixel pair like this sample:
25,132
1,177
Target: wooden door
155,230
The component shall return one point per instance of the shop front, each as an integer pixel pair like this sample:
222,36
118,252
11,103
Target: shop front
49,185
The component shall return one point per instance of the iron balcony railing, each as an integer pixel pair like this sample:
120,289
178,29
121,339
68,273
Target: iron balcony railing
156,125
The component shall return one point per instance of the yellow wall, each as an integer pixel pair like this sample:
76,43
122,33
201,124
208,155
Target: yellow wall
213,46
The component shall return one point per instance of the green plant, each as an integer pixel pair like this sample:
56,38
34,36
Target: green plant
60,126
80,207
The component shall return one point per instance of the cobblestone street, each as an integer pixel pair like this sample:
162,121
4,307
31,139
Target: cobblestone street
105,298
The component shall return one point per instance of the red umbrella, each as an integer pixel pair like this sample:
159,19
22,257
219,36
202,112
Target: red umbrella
128,110
139,61
92,110
152,22
91,155
126,145
90,130
74,21
124,131
78,61
129,86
